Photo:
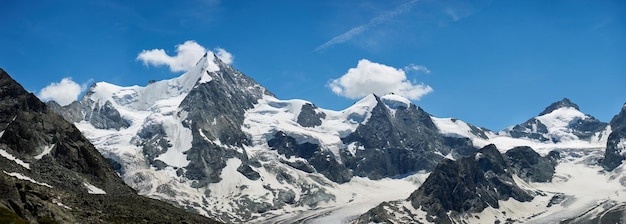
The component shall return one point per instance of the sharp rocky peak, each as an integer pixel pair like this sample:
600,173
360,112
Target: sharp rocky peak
564,103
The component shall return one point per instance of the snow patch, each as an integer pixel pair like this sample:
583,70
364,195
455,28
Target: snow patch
8,156
453,128
46,151
91,189
60,204
395,101
180,137
24,177
205,78
621,147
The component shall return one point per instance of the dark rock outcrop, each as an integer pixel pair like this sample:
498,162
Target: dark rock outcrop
49,179
323,161
529,165
308,117
565,102
395,144
615,152
217,109
103,116
467,185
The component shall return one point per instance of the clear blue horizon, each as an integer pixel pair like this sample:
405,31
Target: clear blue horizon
489,63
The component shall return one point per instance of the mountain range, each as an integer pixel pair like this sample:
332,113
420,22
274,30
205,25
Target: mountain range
216,143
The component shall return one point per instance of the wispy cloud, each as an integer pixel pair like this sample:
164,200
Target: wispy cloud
414,67
346,36
458,10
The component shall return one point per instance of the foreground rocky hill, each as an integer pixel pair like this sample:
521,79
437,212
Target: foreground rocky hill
50,173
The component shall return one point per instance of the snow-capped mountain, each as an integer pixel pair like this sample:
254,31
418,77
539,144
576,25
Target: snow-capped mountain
562,121
215,142
52,174
560,126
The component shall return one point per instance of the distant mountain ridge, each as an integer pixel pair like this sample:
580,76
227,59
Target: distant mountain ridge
560,121
216,142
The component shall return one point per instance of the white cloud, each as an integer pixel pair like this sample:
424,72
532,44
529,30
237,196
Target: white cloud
187,55
224,55
370,77
372,23
64,92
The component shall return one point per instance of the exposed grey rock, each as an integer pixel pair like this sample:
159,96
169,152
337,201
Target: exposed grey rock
308,117
103,116
300,165
323,161
531,166
615,154
532,129
619,120
565,102
384,213
556,199
467,185
313,197
247,171
217,109
461,147
287,146
405,142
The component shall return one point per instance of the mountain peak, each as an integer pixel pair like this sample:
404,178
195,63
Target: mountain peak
564,103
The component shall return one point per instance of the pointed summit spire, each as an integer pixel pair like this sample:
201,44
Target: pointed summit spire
564,103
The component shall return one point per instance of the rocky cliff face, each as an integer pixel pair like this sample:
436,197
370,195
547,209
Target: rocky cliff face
51,173
396,140
530,166
616,145
468,185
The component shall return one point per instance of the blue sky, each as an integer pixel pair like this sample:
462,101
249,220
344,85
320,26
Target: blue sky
490,63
